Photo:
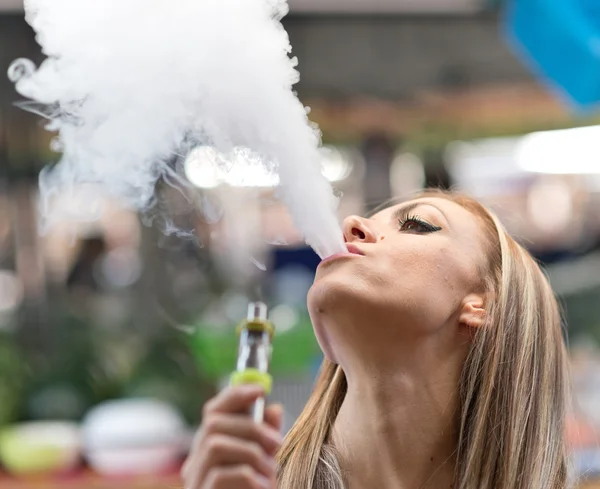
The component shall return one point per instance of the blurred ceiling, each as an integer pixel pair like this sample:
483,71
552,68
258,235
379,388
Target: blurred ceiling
387,6
353,6
11,5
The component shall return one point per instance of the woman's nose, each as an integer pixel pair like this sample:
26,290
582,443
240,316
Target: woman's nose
358,229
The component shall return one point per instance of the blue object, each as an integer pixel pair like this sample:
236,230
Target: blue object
560,41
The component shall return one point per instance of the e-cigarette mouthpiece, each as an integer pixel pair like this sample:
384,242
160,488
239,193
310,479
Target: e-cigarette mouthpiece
254,354
257,311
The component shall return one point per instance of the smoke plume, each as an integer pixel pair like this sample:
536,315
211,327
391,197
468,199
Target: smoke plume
130,85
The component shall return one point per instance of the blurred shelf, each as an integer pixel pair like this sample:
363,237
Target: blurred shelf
88,480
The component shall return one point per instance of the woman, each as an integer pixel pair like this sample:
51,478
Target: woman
445,367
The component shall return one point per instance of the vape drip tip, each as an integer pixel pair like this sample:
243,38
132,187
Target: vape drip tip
257,311
254,354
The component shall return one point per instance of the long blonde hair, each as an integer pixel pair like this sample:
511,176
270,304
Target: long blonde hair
513,387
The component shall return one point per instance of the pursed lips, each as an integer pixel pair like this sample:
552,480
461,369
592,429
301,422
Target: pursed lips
353,249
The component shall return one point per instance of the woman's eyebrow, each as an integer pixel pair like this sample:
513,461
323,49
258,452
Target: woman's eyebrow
403,210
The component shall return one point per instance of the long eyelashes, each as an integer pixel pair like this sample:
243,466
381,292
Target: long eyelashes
416,224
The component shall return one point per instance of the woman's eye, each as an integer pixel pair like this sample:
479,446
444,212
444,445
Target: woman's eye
417,225
412,226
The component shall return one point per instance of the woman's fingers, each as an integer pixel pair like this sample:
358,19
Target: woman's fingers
241,426
239,477
234,400
274,417
231,451
223,450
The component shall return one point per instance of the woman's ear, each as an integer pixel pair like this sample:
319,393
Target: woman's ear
472,313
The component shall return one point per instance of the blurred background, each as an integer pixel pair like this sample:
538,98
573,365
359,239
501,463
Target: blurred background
119,332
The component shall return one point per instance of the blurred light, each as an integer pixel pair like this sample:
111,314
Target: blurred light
335,166
550,206
207,168
11,291
247,170
566,151
284,318
120,268
202,167
485,167
484,158
234,306
407,174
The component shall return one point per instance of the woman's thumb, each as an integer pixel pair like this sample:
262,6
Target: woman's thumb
274,416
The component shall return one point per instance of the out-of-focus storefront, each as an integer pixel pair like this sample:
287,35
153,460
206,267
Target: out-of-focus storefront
101,311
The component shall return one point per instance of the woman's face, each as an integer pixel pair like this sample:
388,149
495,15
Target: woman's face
412,271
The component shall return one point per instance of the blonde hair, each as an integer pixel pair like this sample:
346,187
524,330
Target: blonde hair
513,387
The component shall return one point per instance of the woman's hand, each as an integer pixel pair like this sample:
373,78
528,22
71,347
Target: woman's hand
230,451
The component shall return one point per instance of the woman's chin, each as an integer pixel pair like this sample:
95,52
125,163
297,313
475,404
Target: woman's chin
334,306
325,341
325,304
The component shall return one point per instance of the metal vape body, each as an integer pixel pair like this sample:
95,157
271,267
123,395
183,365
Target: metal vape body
254,355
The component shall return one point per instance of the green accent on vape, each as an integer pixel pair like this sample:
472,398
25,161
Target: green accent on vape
256,326
253,376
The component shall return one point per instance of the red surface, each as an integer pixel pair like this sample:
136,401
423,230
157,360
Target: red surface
89,480
581,434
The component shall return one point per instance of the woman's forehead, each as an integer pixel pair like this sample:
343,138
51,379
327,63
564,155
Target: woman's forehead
451,215
446,207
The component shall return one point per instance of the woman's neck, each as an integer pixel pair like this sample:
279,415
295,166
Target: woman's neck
399,431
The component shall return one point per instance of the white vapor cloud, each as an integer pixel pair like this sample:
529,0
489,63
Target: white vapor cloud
129,84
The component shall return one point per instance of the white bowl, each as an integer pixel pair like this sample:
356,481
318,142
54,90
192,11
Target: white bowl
133,437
